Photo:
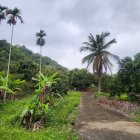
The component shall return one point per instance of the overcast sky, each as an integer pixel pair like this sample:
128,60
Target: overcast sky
69,22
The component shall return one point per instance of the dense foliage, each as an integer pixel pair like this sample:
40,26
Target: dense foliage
81,79
24,58
127,80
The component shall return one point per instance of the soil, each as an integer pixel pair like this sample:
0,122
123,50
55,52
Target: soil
96,122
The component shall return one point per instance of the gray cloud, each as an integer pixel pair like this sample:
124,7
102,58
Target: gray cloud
68,24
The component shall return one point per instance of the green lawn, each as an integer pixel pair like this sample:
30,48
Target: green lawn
58,125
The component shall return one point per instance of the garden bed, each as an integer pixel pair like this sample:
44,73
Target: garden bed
129,109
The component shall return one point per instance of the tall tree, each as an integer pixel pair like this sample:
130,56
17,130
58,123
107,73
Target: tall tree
2,13
13,16
40,42
98,55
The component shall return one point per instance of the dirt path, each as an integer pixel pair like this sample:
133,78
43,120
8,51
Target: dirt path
98,123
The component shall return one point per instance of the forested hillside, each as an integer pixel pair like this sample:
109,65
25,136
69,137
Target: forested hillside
23,58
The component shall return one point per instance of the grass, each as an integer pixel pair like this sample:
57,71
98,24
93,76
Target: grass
58,125
122,97
135,116
102,94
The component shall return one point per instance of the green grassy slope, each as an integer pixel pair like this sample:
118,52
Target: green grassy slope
58,125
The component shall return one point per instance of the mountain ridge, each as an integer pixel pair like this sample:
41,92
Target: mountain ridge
22,53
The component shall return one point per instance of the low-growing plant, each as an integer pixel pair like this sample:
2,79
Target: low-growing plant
122,97
102,94
135,116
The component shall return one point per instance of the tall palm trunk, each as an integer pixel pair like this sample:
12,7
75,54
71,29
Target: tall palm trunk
40,56
40,62
9,60
99,85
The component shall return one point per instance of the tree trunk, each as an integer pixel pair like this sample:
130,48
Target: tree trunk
99,85
42,95
5,94
40,56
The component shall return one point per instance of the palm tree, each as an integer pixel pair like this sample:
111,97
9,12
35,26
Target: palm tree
40,42
2,13
98,55
13,15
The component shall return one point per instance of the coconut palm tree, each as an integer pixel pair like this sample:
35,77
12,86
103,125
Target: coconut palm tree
40,42
13,16
98,55
2,13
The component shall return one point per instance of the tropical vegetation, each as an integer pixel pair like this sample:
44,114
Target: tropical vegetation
98,56
39,95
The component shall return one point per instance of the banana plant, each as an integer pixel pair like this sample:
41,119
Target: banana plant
3,85
43,86
38,107
44,81
34,111
13,85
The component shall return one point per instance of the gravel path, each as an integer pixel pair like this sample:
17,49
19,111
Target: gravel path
98,123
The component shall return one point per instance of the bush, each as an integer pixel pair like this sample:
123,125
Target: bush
106,81
115,88
62,85
81,79
123,97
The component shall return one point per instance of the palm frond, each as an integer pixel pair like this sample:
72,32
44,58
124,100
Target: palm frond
2,12
107,64
40,42
41,34
20,18
115,57
105,34
84,48
88,58
89,44
91,38
107,45
2,8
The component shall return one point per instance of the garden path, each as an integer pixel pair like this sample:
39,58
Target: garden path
98,123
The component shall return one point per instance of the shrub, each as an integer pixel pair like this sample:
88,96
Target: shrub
81,79
106,81
62,85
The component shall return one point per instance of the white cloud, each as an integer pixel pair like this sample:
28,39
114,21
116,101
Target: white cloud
68,23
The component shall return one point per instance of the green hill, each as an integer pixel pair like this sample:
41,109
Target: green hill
24,62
